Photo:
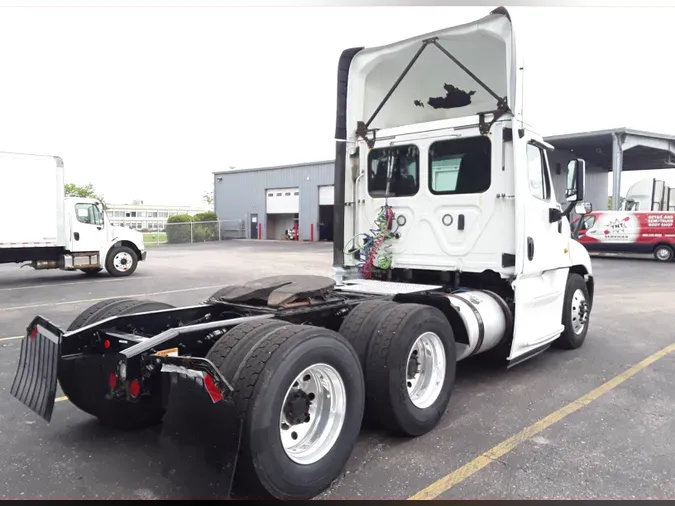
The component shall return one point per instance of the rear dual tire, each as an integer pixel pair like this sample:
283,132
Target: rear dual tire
85,381
408,355
291,381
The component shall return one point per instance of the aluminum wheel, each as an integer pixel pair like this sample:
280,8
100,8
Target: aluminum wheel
312,414
579,311
426,370
123,261
662,253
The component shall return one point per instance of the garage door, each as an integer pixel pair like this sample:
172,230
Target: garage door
326,195
283,201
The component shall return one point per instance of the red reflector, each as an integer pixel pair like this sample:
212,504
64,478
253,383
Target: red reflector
112,380
33,333
106,344
213,391
134,388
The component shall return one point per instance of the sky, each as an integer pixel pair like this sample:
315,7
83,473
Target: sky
147,102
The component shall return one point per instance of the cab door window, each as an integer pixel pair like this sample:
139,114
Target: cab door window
588,222
89,214
537,169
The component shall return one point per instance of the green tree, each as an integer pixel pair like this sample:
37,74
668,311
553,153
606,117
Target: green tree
208,198
86,191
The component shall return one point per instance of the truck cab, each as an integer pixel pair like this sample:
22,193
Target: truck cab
443,183
92,243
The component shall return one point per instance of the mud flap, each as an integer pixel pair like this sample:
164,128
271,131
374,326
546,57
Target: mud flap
200,438
36,376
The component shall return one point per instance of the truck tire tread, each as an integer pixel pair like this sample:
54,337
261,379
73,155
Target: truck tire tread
568,340
222,350
82,388
251,369
359,325
388,405
91,312
110,257
259,472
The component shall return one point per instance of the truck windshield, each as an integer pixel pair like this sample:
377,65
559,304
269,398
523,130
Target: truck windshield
460,166
405,171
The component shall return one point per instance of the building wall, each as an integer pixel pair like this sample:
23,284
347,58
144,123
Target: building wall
239,193
147,216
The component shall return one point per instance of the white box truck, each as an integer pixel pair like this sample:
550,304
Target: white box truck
459,250
42,227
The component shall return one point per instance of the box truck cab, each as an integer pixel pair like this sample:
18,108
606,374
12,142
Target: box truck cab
54,231
650,232
92,238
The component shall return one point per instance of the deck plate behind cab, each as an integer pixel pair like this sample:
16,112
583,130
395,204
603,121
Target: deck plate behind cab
278,290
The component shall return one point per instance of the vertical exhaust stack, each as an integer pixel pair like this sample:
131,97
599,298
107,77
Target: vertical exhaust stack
341,156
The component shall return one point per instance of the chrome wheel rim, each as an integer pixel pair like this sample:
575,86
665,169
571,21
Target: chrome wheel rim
662,253
312,414
425,370
123,261
579,311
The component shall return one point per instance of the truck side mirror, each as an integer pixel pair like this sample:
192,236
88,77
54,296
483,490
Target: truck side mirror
576,179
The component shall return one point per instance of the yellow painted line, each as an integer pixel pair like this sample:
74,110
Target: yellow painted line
82,301
10,338
61,399
450,480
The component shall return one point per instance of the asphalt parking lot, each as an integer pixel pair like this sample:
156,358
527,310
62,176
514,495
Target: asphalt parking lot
592,423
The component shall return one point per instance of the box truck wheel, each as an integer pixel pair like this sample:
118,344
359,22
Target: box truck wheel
410,370
121,261
299,391
663,253
85,381
576,311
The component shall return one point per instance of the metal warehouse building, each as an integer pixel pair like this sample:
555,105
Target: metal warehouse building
271,200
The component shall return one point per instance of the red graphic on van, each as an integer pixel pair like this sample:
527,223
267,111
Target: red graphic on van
626,231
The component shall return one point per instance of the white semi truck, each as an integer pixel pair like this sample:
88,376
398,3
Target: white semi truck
448,245
39,226
649,195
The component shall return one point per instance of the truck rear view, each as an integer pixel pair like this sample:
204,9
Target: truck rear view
432,265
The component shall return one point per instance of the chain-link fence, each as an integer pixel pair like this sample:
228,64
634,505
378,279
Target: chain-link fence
195,232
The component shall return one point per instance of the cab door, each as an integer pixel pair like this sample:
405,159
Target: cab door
542,258
87,230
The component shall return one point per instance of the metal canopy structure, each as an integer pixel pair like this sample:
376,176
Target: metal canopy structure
618,150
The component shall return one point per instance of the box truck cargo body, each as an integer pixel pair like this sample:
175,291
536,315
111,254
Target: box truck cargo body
42,227
31,201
